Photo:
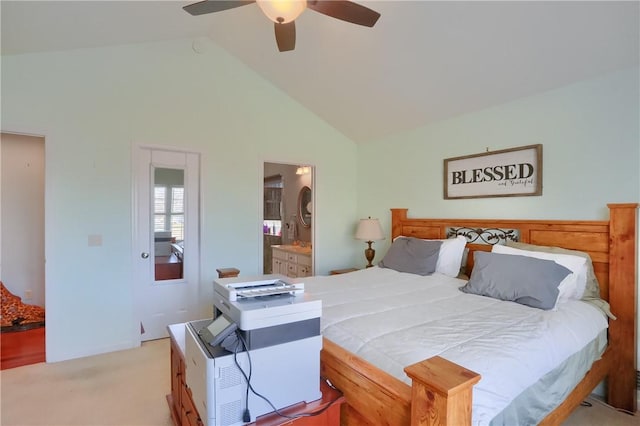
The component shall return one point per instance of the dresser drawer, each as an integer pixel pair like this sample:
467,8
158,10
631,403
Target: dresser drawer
279,254
292,270
189,414
303,271
304,260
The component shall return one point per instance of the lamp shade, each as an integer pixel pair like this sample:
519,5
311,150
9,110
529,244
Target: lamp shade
369,230
282,11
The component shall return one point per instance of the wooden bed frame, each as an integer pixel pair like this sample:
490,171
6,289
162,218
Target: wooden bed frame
441,391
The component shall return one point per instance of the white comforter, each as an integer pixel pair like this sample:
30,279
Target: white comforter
395,319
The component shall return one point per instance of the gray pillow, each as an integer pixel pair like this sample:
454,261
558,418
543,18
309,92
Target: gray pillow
592,289
521,279
412,255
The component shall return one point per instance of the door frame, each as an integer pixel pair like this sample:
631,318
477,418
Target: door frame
313,186
137,294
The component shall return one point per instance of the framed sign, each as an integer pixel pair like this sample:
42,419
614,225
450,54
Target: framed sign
506,173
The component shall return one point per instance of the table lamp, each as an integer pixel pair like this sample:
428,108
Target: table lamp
369,230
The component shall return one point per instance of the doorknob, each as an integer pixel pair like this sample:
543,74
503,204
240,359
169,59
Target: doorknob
144,255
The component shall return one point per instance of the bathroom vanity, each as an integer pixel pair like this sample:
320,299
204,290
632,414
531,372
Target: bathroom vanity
292,261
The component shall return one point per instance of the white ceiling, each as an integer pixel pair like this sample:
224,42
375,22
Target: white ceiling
423,61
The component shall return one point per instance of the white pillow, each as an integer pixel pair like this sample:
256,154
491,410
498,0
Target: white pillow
572,287
450,256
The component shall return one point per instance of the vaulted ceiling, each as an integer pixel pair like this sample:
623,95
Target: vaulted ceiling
423,61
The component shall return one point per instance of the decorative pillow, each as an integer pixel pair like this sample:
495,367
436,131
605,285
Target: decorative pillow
463,263
412,255
592,288
521,279
573,287
450,258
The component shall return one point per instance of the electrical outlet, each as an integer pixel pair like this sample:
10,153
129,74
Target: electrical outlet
28,294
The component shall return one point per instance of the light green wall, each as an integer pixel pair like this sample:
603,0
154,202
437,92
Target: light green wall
591,145
94,105
590,132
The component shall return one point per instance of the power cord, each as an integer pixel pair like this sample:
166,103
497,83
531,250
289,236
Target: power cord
246,416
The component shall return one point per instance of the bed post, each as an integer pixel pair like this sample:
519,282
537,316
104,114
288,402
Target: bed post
441,392
622,298
397,216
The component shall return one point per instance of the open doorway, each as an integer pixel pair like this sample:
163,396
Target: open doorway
22,249
288,219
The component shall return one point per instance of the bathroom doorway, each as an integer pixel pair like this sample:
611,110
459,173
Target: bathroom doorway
288,213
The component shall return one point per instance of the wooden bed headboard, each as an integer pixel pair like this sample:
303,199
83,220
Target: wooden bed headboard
610,243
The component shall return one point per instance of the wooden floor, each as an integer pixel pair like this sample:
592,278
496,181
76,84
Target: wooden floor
19,348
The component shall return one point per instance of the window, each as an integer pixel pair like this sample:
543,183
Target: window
168,208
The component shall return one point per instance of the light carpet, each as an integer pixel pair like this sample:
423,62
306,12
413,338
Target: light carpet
128,388
119,388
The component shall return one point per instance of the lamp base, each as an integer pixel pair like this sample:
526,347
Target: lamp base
369,254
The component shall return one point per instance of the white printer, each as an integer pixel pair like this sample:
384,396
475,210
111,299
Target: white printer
267,329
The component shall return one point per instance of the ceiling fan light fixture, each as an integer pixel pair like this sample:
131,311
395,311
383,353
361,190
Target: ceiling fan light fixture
282,11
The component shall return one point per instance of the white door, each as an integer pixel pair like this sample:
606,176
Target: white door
166,238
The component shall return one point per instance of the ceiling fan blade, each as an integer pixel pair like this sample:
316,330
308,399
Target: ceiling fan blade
346,11
286,36
210,6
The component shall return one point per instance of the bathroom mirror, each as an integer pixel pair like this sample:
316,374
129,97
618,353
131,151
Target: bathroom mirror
304,207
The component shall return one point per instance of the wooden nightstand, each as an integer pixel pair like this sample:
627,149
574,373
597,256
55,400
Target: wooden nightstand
342,271
329,417
227,272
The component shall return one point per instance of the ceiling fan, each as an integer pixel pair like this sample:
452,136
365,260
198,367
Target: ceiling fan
284,13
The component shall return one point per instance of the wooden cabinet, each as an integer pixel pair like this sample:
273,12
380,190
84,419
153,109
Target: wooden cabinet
298,265
292,261
228,272
330,402
177,376
267,255
272,203
183,411
189,414
279,261
168,268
